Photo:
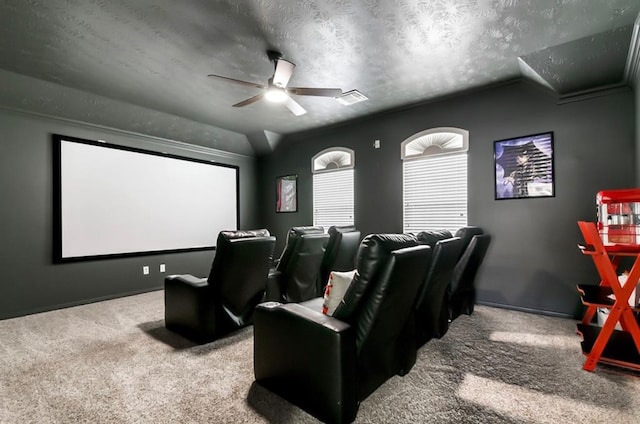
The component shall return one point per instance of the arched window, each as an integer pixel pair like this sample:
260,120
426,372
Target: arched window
435,180
333,187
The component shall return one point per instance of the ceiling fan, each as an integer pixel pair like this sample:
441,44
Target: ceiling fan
276,89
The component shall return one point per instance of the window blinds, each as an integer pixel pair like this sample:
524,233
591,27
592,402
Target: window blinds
333,198
435,193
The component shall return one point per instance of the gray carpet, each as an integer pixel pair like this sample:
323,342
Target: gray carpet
114,362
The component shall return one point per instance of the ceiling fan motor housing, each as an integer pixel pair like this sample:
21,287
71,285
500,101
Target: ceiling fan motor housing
274,55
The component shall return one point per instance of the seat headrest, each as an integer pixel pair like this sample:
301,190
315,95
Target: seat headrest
237,234
342,229
298,231
431,237
467,233
375,245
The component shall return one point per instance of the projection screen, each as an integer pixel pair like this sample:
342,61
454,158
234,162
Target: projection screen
119,201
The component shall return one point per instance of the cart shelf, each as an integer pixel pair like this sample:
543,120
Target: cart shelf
620,349
598,296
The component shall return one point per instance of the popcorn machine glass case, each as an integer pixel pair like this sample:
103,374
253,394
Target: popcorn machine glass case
619,216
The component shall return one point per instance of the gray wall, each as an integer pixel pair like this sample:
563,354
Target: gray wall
29,282
533,262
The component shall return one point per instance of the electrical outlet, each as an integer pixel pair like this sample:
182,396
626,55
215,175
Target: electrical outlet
376,144
162,268
145,270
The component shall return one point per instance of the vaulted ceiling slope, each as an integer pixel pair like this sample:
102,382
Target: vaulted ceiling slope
142,65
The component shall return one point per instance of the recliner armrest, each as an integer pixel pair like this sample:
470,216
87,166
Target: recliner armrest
187,308
188,279
310,316
273,291
308,358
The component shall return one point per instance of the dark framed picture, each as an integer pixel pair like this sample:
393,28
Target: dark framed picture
524,167
287,193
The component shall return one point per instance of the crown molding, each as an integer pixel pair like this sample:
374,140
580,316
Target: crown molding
159,142
632,68
603,90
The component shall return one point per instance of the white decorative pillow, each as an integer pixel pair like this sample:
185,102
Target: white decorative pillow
336,288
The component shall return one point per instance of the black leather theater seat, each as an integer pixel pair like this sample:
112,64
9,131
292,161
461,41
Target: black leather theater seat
462,297
297,274
341,252
203,309
327,364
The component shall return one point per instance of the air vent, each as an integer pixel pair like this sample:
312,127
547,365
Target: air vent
351,97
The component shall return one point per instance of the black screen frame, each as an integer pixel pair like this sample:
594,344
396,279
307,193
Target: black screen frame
57,250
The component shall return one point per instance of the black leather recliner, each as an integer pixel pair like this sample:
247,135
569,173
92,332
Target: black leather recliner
327,365
341,252
462,297
292,237
432,306
204,309
466,234
296,277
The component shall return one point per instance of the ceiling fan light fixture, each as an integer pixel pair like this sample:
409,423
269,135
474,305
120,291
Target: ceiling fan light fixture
276,95
277,90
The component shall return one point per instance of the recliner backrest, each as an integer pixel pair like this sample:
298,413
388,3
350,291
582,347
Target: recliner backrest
301,273
470,262
392,295
379,304
466,234
432,309
239,271
373,252
293,236
341,251
464,274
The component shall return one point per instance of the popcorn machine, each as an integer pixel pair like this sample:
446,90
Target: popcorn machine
616,236
619,216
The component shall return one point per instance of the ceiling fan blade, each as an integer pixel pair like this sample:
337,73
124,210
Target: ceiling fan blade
249,100
294,107
323,92
283,72
249,84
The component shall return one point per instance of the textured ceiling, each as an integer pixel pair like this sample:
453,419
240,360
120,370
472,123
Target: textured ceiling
142,65
584,64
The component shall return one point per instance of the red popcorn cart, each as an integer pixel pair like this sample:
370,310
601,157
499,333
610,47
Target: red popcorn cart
613,237
619,216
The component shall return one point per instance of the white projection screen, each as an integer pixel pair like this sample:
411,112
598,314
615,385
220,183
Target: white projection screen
119,201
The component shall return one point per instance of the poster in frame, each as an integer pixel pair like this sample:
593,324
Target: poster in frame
524,167
287,193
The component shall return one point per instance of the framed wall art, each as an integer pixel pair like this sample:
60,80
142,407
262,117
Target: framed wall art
287,193
524,167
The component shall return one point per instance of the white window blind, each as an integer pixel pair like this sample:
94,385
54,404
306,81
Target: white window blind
435,192
333,198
